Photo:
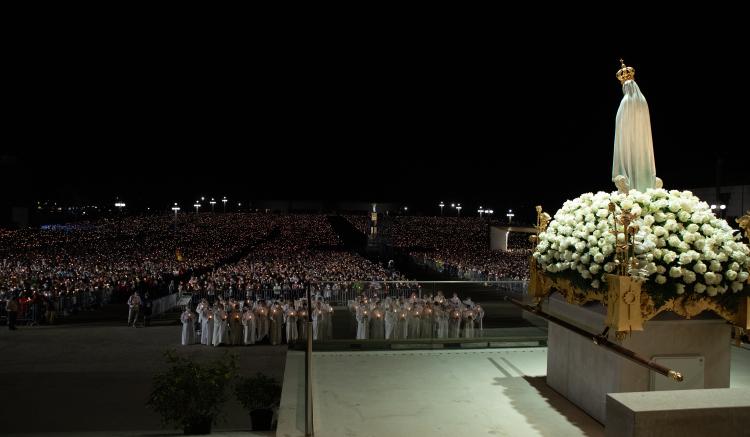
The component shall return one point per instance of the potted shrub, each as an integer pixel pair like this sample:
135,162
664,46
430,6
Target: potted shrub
190,395
259,395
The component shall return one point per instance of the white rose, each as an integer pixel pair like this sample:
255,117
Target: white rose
595,283
680,288
674,205
742,276
688,276
668,257
660,217
661,269
711,290
686,258
648,220
731,275
692,227
594,269
650,268
585,258
710,278
699,267
738,256
737,286
675,272
715,266
683,216
699,288
599,258
674,241
661,279
636,210
626,205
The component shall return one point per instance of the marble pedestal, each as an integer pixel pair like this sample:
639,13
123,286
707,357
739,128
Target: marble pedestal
585,373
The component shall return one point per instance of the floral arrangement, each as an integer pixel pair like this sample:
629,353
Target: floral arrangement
681,247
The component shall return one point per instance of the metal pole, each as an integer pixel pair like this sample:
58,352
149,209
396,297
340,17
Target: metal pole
601,340
309,431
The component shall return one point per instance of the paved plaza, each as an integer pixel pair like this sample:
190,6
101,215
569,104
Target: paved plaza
92,378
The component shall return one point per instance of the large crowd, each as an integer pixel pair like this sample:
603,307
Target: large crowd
457,246
246,257
82,265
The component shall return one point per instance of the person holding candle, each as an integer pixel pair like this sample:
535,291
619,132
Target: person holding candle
377,323
248,325
207,324
469,315
261,313
220,326
363,322
428,320
391,319
415,321
291,324
276,320
188,326
235,326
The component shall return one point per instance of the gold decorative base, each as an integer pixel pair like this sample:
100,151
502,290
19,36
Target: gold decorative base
684,306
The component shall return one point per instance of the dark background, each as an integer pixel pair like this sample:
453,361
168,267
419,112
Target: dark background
507,120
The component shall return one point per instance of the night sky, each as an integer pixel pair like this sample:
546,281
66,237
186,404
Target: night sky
475,118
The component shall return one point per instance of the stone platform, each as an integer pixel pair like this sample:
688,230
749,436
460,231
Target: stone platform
585,373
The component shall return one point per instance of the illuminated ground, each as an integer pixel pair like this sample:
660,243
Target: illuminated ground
497,392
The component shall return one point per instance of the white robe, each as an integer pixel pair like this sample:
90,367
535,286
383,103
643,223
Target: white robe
207,327
454,327
248,327
363,324
468,327
188,328
391,317
377,325
220,328
634,147
291,327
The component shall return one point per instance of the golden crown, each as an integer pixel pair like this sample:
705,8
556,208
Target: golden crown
625,73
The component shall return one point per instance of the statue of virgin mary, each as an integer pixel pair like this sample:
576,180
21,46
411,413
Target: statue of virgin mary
633,164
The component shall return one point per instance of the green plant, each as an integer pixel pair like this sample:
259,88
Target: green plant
188,392
258,392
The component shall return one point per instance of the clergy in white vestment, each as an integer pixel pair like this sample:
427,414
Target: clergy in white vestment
317,315
207,325
468,328
235,326
276,320
377,323
302,315
248,325
415,322
220,326
188,327
261,313
428,320
363,322
291,325
441,321
454,323
391,319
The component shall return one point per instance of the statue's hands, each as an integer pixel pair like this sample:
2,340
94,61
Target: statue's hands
622,184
